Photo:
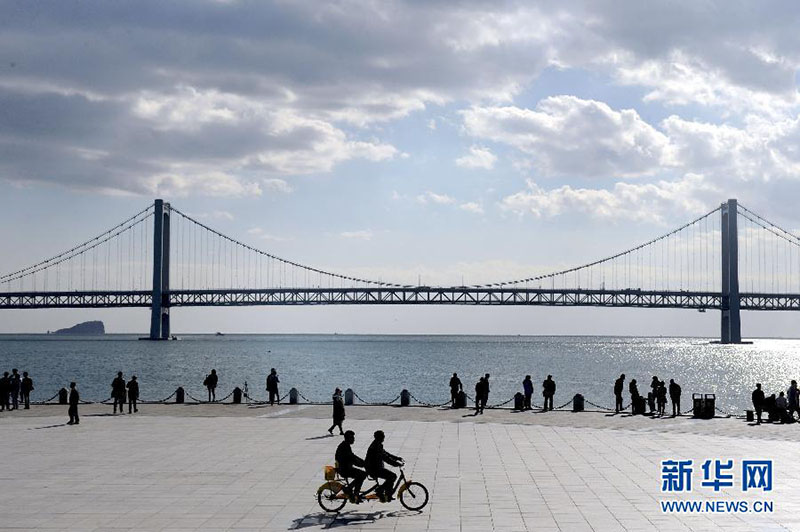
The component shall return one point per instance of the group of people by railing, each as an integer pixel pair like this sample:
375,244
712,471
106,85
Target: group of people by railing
779,409
655,400
15,389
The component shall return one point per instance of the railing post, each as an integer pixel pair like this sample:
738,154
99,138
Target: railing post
159,310
731,327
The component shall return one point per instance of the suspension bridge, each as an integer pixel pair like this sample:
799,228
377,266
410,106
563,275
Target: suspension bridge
730,259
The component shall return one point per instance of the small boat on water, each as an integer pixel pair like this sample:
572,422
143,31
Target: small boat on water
219,334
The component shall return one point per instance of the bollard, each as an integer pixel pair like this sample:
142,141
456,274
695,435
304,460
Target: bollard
179,395
519,401
293,396
577,403
62,396
237,396
348,397
750,416
405,398
461,400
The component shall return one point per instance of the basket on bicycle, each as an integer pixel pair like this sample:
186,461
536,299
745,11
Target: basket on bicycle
330,472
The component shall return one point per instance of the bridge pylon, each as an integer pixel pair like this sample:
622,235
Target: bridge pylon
159,310
731,326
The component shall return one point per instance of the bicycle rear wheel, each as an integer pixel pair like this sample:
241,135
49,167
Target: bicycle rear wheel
329,500
414,497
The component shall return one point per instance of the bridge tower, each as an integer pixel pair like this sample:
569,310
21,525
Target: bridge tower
731,332
159,311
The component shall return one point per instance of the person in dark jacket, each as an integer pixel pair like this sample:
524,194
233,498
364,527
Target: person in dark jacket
619,387
349,466
758,401
133,394
485,397
527,388
374,460
675,397
211,383
74,399
4,405
272,387
118,393
478,396
338,411
14,385
26,388
455,387
548,391
661,398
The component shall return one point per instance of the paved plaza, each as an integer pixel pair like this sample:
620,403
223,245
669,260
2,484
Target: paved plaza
246,468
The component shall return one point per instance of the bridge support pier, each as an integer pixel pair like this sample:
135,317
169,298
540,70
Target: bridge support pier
731,327
159,311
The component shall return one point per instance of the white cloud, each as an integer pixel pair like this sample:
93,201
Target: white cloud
565,135
277,185
364,234
432,197
432,124
652,202
477,157
207,184
471,206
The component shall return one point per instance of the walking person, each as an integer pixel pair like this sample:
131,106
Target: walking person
338,411
478,396
675,397
4,384
619,387
455,388
661,398
118,393
527,388
74,399
758,401
210,383
548,391
793,394
26,387
133,394
14,382
272,387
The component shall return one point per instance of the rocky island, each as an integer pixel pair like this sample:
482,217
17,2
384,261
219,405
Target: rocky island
87,328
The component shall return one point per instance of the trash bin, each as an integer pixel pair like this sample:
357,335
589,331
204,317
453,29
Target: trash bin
348,397
237,395
293,394
750,416
179,395
519,401
577,403
639,405
461,400
405,398
703,405
62,396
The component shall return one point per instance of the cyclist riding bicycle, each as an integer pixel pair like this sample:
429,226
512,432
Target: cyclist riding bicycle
375,458
347,462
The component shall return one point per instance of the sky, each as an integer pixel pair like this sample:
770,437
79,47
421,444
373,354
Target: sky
446,142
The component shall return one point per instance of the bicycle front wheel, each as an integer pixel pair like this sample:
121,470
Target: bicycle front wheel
414,497
329,499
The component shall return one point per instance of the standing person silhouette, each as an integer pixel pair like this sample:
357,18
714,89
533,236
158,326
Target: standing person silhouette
26,388
211,383
485,396
793,395
118,393
338,411
675,397
4,384
133,394
14,382
74,400
633,388
619,387
272,387
758,401
548,391
478,396
527,388
455,387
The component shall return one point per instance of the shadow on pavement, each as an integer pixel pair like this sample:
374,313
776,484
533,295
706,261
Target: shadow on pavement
329,520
